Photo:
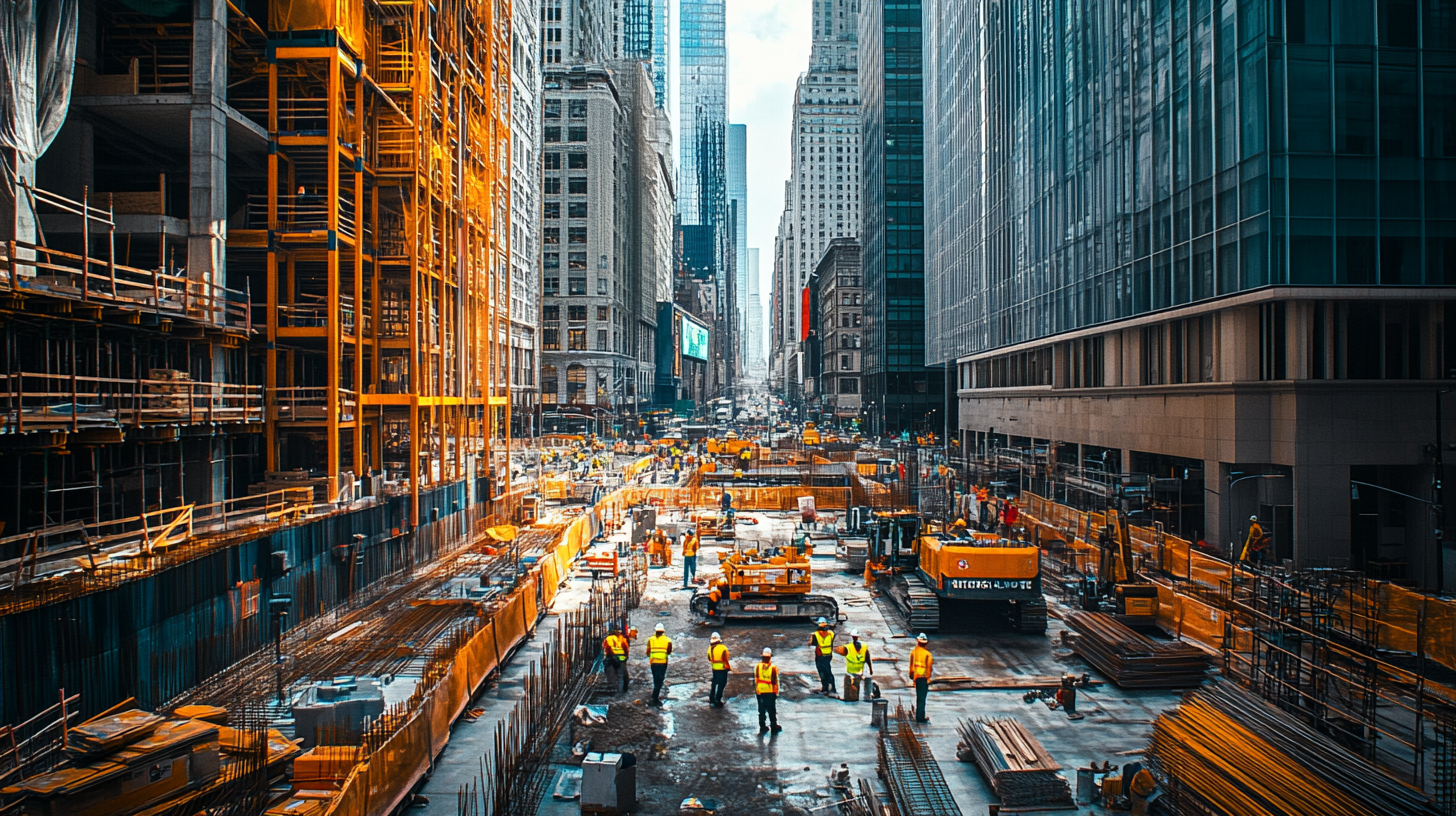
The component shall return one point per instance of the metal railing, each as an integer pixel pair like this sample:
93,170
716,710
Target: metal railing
305,403
50,402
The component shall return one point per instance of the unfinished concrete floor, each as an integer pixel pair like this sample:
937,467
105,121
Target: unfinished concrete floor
688,749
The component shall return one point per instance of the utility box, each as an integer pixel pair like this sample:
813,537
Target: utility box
608,783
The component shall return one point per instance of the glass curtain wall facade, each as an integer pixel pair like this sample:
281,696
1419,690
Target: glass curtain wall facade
703,130
1096,161
897,386
738,195
644,30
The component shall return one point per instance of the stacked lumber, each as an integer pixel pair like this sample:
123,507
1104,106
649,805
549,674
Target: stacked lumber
1234,753
1134,660
1014,763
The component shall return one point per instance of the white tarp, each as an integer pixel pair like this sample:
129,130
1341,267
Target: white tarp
37,59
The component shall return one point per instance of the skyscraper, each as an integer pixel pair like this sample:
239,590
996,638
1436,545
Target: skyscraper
644,37
823,197
576,32
738,196
1201,243
898,389
754,360
525,212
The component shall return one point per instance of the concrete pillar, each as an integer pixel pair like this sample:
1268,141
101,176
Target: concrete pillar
207,169
1214,490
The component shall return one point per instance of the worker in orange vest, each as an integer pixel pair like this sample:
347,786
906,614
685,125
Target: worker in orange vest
718,662
614,658
821,640
690,557
921,664
983,498
715,596
766,686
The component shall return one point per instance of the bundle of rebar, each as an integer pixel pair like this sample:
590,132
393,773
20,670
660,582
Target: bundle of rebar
911,773
1134,660
1014,763
1232,753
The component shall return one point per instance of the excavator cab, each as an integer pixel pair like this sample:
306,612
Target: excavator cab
894,538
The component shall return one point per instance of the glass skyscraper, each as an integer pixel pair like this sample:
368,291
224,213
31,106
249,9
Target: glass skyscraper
702,132
738,195
1202,240
644,27
902,391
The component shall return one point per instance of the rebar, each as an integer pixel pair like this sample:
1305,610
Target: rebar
911,773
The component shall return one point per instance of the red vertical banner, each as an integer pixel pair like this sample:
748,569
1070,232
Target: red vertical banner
804,307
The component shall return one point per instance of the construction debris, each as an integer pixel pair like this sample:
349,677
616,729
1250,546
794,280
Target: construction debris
1015,764
1226,751
1134,660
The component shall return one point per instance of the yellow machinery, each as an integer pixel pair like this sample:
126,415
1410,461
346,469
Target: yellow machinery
730,446
811,434
714,525
921,569
1134,600
767,583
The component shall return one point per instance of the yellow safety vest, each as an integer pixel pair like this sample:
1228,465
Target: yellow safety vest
690,545
766,678
616,645
855,655
920,663
718,657
824,641
657,646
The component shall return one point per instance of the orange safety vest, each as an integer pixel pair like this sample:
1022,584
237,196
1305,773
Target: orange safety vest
921,662
615,645
824,641
766,678
718,657
716,595
982,494
690,545
657,647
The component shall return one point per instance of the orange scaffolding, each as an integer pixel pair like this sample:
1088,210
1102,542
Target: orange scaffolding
388,212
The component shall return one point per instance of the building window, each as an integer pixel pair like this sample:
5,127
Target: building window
576,383
552,160
576,286
844,362
601,285
576,161
551,285
576,108
551,235
551,109
551,312
551,135
551,260
576,133
848,385
551,209
551,185
576,209
576,339
548,383
604,313
576,235
601,339
551,340
576,261
576,314
576,185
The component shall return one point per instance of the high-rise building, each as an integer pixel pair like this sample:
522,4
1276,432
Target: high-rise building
754,361
738,199
644,37
702,203
606,233
898,388
841,329
823,201
525,212
576,32
1203,243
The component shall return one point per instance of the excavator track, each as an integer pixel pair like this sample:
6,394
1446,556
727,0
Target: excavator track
916,601
1029,617
802,606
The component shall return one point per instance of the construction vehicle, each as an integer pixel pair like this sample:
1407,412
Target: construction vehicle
922,570
1133,601
810,435
714,525
767,582
730,445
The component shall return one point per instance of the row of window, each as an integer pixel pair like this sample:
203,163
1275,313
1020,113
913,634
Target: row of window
575,185
552,235
552,209
551,134
575,109
575,313
575,285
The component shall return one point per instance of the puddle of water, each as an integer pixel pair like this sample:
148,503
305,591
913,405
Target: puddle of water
669,726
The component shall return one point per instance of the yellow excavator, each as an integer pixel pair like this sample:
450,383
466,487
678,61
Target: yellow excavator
767,582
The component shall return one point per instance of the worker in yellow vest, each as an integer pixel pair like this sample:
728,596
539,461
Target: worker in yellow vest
718,662
614,658
659,646
921,664
766,686
856,662
821,640
690,557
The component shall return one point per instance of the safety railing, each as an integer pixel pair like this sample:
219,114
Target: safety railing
310,403
32,402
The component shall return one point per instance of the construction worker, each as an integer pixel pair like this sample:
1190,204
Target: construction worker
822,641
726,504
856,661
715,596
983,498
1142,786
690,557
718,662
614,659
659,646
921,663
766,686
1251,543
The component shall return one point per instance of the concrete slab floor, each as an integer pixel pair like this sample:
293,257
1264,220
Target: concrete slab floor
688,749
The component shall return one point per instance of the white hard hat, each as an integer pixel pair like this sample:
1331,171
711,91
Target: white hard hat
1253,518
854,633
921,638
767,652
661,628
715,638
823,622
